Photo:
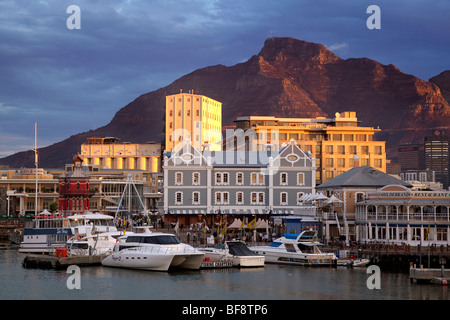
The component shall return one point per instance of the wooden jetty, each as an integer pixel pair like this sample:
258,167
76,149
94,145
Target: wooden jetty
54,262
398,258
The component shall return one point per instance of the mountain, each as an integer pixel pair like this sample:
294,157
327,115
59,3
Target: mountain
442,80
287,78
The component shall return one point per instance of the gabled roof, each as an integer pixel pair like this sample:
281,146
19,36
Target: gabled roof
362,177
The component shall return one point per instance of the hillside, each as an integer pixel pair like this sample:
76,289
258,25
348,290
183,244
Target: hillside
287,78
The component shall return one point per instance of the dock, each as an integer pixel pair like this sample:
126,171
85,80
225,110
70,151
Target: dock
54,262
433,275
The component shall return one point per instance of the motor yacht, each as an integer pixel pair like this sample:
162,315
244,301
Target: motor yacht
235,251
153,251
297,249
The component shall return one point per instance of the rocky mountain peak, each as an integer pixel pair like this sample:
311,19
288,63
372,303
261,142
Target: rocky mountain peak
282,49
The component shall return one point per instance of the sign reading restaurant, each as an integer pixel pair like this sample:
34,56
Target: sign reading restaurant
414,194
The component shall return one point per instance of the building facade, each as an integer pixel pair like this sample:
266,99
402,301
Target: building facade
395,214
108,152
338,144
212,185
350,188
437,156
74,190
194,117
411,156
20,191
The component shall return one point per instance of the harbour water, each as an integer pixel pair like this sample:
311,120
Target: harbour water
273,282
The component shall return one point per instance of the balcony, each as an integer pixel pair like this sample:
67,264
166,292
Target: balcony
68,192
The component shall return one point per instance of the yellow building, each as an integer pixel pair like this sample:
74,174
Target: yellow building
108,152
194,117
338,144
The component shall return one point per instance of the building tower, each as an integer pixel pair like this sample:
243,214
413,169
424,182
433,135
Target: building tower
74,192
193,117
437,156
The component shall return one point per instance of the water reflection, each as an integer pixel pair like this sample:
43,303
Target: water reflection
273,282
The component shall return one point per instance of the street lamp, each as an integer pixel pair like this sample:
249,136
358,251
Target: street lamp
7,198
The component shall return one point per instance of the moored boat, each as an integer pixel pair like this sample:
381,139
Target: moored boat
235,251
47,232
296,249
153,251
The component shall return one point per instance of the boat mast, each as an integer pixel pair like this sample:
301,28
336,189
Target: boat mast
36,164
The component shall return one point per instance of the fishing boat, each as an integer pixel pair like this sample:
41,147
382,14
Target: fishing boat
153,251
296,249
235,251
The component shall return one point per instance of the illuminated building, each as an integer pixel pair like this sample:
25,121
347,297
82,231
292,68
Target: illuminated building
338,144
193,117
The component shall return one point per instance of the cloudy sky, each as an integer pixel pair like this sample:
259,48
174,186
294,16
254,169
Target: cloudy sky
74,80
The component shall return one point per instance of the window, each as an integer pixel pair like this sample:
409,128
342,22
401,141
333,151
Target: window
283,178
222,198
283,198
378,149
364,149
341,150
178,178
222,178
195,197
239,198
300,179
257,198
352,149
299,195
329,162
348,137
239,178
361,137
329,149
341,162
178,197
257,178
337,137
196,178
378,163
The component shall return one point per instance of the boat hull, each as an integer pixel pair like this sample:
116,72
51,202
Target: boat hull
130,260
136,259
284,257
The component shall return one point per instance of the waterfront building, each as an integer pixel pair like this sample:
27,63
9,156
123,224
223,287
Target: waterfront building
396,214
215,185
437,156
349,188
106,186
18,191
74,189
110,153
338,144
194,117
